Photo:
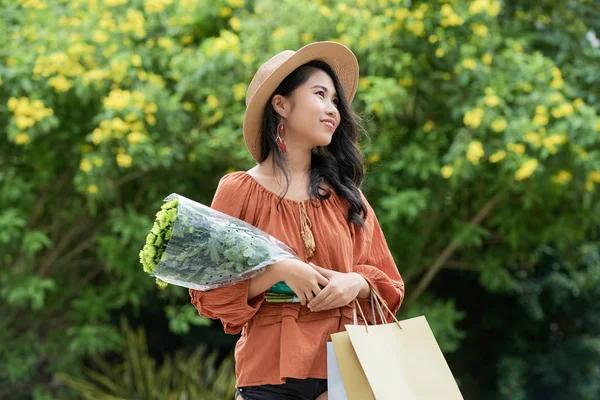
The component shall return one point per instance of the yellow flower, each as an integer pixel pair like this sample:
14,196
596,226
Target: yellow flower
188,106
597,125
439,52
224,12
526,169
447,171
533,138
374,158
235,23
578,103
499,125
215,118
92,189
540,119
364,83
433,39
307,37
212,101
22,138
239,91
487,59
416,27
12,103
518,148
150,108
186,39
479,29
492,100
24,122
469,63
564,110
60,83
85,165
557,83
136,60
236,3
562,177
473,118
124,160
97,161
475,152
401,14
594,176
405,82
100,36
135,137
497,156
277,33
151,119
428,126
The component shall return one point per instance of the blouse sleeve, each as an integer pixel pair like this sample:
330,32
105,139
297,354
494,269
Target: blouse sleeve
229,304
374,261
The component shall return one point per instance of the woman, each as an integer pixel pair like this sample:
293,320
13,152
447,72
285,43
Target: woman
300,128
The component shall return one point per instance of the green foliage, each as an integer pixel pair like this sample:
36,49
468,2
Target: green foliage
484,118
183,376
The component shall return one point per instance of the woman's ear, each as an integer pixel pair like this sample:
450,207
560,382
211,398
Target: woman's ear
281,105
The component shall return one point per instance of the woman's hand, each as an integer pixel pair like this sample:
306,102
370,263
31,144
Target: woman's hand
341,290
303,279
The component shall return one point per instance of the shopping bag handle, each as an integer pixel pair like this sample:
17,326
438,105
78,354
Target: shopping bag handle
378,301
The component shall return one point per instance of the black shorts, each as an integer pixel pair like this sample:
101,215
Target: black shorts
292,389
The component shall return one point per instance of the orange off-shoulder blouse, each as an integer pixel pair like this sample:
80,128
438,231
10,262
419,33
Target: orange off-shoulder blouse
281,340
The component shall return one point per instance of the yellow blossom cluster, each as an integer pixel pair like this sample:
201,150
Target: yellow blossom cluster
226,42
564,110
118,128
526,169
156,6
499,125
541,115
593,178
552,141
86,164
120,99
473,117
518,148
491,7
27,113
239,91
497,156
475,152
134,23
557,81
562,177
535,138
33,4
62,65
449,17
447,171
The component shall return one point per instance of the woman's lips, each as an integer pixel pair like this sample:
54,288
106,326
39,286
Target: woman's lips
328,124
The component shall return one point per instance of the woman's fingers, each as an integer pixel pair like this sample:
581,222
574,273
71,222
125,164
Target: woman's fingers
319,298
322,280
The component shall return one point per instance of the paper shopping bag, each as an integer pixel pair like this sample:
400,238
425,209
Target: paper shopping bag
352,375
335,386
403,363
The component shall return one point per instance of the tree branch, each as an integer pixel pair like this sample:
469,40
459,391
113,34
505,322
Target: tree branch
450,249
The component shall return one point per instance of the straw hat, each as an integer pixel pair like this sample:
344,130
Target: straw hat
274,71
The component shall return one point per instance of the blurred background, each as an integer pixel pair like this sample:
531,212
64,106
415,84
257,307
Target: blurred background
483,165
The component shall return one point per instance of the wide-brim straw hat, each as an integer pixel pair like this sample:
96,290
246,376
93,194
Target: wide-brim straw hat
273,72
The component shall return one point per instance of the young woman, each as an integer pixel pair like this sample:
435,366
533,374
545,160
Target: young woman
305,191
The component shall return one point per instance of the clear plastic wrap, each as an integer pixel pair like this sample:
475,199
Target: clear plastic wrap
194,246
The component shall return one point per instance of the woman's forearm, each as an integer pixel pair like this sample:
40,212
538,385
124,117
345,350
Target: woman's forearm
261,283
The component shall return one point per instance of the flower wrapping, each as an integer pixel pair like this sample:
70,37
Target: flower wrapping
194,246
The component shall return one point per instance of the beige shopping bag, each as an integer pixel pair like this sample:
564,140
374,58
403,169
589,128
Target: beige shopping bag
401,360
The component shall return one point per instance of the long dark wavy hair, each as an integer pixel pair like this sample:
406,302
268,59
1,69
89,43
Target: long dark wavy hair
340,164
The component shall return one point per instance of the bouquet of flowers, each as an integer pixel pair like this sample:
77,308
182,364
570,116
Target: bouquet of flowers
194,246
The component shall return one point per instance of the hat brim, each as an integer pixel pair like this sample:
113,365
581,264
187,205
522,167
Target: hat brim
339,57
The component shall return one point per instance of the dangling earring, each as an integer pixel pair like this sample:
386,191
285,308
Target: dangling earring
280,142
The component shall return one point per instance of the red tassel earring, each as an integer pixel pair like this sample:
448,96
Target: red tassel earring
280,142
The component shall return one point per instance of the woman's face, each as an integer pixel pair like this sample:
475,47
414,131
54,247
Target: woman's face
310,114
